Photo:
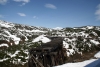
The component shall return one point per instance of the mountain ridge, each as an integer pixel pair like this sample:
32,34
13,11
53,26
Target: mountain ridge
17,39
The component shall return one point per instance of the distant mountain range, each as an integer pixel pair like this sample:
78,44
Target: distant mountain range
17,39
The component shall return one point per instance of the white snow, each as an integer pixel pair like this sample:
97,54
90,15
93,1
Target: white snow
97,55
89,44
90,27
65,45
95,42
41,38
34,31
58,28
70,52
1,60
4,45
94,33
19,60
13,55
87,63
16,39
5,24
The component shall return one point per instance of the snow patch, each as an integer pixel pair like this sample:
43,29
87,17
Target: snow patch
65,45
13,55
1,60
41,38
70,52
95,42
34,31
15,39
90,27
4,45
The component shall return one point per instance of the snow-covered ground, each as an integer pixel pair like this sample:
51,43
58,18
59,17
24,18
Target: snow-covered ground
87,63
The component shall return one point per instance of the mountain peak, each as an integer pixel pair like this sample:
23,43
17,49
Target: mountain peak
57,28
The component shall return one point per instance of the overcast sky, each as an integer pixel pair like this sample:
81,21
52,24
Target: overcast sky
51,13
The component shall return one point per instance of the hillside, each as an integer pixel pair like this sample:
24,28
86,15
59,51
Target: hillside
17,39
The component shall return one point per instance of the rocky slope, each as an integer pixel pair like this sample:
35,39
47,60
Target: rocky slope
17,39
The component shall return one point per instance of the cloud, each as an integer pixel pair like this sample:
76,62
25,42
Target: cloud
1,16
22,4
21,14
35,17
3,2
97,13
50,6
23,1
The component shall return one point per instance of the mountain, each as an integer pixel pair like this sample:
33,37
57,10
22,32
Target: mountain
16,33
58,28
81,43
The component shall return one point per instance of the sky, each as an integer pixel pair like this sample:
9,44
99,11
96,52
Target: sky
51,13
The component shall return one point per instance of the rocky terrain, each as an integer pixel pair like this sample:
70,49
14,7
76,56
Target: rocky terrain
81,43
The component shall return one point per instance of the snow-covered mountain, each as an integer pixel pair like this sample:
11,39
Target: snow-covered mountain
17,39
58,28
